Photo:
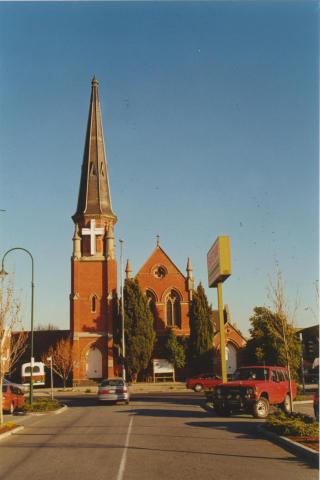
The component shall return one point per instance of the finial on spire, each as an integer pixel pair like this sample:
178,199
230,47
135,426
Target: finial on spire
190,280
128,269
158,240
94,81
76,235
189,269
76,242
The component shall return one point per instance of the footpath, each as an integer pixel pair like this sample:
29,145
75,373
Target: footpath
149,387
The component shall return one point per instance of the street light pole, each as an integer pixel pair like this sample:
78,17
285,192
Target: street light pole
2,273
302,364
122,311
51,376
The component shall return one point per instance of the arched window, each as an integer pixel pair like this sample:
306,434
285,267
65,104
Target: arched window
151,299
173,310
94,303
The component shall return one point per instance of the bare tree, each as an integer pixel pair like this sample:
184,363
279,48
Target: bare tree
62,361
10,351
277,296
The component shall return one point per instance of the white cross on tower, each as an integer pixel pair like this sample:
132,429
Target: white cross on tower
93,231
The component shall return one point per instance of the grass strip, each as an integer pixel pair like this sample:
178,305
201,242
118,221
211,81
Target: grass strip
297,424
42,404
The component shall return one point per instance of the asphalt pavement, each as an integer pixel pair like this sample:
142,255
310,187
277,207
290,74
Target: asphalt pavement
158,436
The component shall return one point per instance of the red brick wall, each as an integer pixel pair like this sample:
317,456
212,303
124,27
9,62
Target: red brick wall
173,280
92,277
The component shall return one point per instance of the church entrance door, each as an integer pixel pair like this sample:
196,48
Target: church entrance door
231,357
94,363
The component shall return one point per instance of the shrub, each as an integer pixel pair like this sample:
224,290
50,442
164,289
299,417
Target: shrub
42,404
292,424
6,427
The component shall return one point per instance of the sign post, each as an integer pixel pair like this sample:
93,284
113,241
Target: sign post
219,269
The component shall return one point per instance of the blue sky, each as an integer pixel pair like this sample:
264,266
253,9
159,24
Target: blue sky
210,114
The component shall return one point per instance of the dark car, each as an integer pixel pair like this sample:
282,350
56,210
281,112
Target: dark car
203,381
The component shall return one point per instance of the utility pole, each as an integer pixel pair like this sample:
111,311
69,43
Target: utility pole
51,376
122,311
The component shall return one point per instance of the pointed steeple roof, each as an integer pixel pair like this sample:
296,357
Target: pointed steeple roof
94,199
128,269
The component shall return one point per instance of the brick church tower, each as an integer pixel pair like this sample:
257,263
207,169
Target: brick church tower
93,263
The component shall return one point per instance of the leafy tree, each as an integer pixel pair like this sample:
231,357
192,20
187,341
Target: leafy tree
139,333
201,331
267,344
174,351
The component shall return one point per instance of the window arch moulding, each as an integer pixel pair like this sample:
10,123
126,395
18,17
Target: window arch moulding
173,309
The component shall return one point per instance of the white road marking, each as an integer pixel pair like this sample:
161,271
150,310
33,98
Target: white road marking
124,454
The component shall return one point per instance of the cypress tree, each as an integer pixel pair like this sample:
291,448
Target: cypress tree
139,333
174,351
201,331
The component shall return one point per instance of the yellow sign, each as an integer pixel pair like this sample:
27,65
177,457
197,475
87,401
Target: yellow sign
219,261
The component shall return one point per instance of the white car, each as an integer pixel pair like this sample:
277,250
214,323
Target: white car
113,390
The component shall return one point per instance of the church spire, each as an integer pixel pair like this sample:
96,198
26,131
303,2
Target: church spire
94,199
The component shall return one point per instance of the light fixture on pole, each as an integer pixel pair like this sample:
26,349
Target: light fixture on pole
122,312
2,274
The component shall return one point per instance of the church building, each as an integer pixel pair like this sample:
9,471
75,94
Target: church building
169,292
93,297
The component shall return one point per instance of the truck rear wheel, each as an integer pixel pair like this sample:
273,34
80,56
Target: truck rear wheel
261,408
286,405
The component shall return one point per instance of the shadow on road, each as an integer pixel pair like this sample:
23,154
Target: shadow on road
154,406
170,398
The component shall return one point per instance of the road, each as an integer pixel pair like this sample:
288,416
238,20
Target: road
159,436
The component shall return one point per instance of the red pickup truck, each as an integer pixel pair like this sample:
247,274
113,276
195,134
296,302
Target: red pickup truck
253,390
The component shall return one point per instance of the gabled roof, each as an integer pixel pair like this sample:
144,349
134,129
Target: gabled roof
154,253
229,337
94,194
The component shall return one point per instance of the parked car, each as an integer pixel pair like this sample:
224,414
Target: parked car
203,381
316,405
253,390
12,398
38,374
24,388
113,390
